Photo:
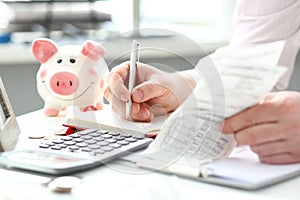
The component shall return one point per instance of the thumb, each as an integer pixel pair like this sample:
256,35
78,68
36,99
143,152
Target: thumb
148,90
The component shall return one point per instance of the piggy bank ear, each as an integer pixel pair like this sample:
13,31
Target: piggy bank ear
92,50
43,49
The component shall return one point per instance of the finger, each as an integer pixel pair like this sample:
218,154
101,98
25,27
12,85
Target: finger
117,105
146,91
284,158
271,148
138,113
116,81
260,113
259,134
155,110
107,94
279,152
144,115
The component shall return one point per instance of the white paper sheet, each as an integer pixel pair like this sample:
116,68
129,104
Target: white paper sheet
192,132
106,118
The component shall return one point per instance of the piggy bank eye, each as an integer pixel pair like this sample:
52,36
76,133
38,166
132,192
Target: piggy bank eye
59,61
72,60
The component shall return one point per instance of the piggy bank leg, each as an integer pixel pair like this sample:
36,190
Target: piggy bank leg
51,110
99,105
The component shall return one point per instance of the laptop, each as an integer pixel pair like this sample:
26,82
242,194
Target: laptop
64,155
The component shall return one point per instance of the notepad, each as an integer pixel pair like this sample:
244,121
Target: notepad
107,119
242,169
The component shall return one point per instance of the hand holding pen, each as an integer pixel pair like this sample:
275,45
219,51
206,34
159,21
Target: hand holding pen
152,93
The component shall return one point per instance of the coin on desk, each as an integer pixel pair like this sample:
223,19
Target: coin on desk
64,183
36,136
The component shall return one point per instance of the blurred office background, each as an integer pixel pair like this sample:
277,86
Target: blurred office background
206,23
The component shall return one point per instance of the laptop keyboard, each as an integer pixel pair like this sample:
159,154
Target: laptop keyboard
101,145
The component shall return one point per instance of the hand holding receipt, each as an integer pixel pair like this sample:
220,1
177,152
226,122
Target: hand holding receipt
134,58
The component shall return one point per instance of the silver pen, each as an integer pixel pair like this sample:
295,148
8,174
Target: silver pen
134,58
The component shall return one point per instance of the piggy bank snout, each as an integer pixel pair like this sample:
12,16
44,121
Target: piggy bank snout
64,83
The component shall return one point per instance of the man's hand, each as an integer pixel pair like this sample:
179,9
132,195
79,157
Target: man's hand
271,128
156,92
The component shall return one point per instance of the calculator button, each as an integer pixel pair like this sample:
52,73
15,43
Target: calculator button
126,135
102,131
119,137
62,145
123,142
103,143
74,148
45,146
95,134
139,137
78,140
94,146
86,137
115,145
111,140
66,138
114,133
107,136
69,143
107,148
90,141
98,151
131,139
56,148
81,144
74,136
86,149
58,141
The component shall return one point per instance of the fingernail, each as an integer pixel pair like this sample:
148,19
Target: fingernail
225,129
137,95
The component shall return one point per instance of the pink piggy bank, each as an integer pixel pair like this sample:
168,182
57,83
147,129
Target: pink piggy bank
69,75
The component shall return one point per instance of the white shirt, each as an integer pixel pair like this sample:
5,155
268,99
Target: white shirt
265,21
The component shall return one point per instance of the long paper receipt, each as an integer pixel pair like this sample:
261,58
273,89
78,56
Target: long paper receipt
192,133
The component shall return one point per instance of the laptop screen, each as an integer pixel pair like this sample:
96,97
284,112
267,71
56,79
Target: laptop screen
9,129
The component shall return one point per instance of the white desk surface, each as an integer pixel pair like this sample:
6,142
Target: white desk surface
115,182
